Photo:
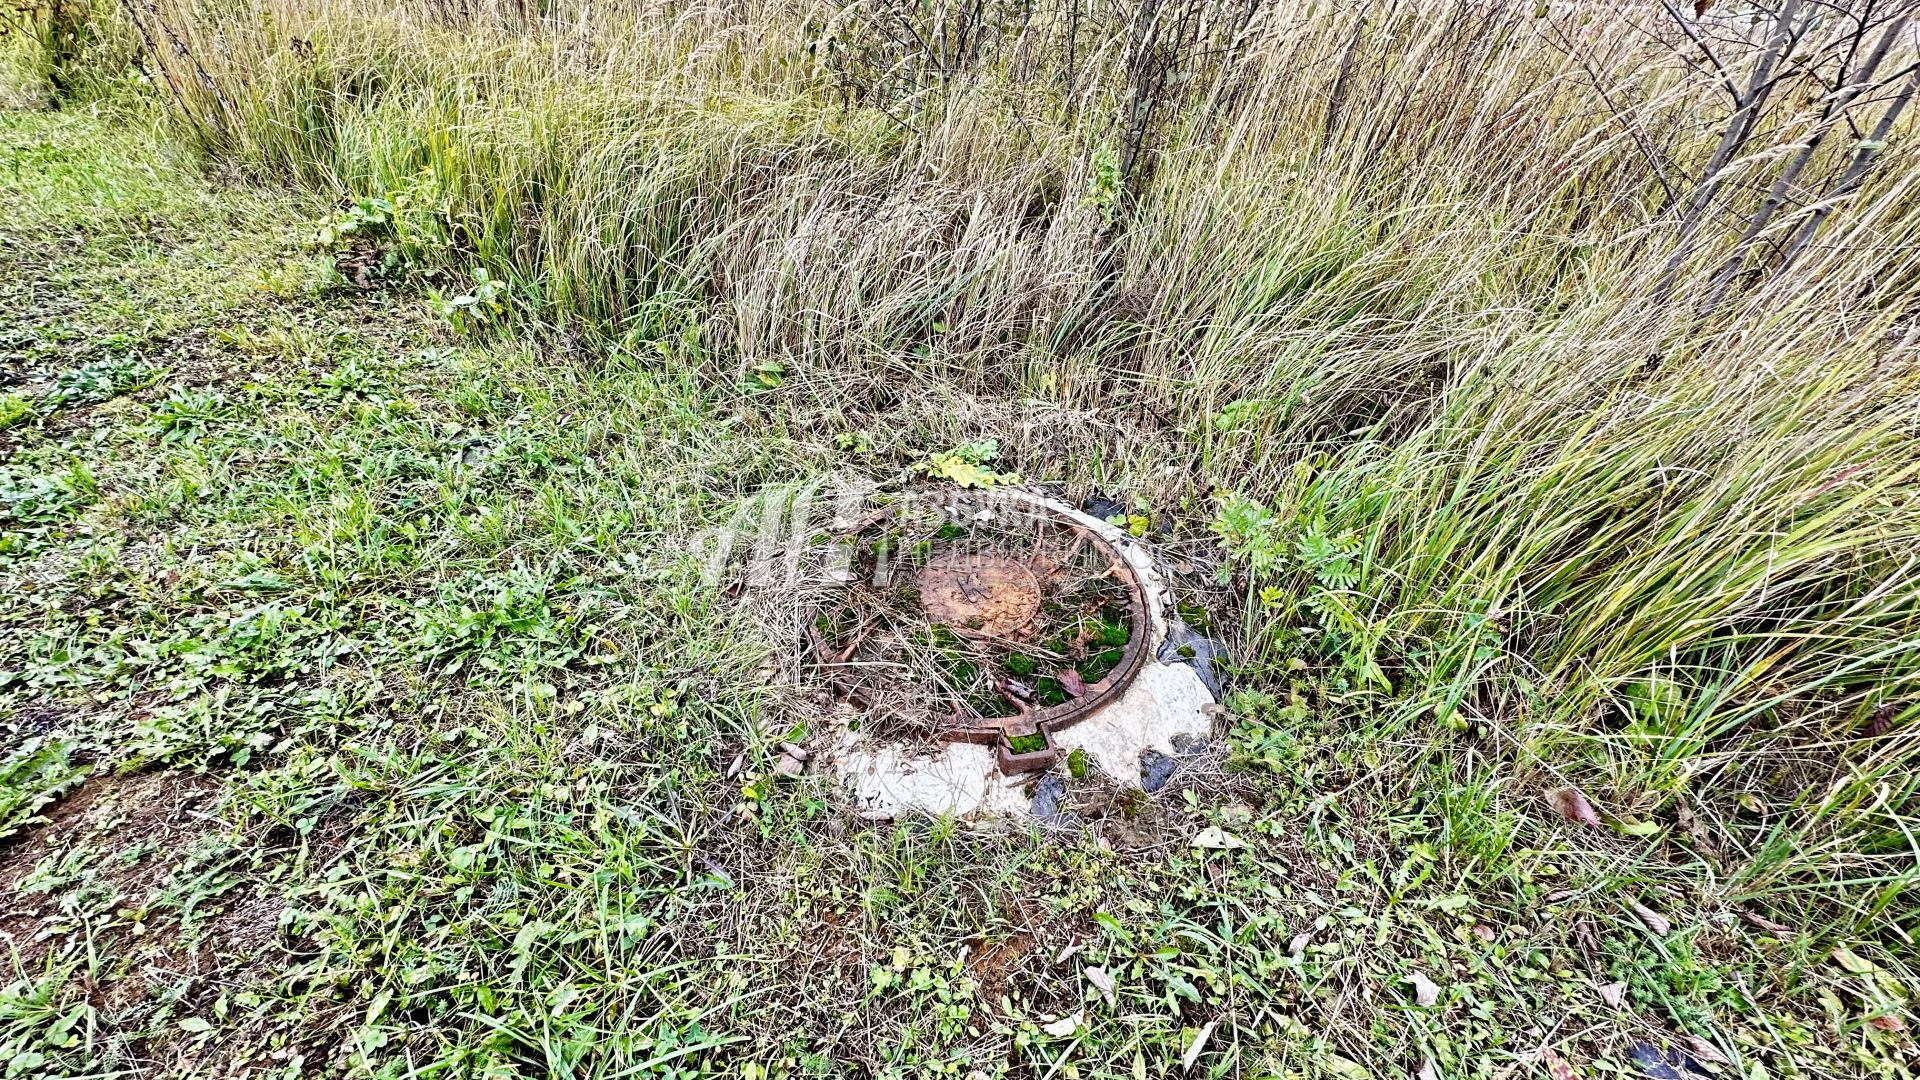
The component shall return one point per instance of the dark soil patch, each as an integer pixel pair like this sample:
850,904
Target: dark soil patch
829,947
112,815
993,964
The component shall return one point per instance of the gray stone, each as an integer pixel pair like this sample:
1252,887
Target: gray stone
1156,769
1049,797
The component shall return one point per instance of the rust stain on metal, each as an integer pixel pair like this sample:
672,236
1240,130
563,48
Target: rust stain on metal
990,595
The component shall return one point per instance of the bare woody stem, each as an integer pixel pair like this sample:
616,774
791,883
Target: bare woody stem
1863,161
1783,184
1746,116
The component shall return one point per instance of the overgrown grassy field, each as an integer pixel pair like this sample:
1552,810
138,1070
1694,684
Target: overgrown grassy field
1543,382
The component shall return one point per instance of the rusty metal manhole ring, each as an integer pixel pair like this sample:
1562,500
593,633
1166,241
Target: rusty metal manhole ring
986,617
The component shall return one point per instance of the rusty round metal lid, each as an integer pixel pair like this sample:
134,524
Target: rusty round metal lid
985,594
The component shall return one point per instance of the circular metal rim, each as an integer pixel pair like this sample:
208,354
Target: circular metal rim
999,730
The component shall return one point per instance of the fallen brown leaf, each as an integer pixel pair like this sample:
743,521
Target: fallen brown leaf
1702,1050
1587,938
1102,982
1425,993
1652,919
1614,994
1852,961
1071,682
1765,923
1574,807
1889,1022
1214,838
1557,1066
1689,824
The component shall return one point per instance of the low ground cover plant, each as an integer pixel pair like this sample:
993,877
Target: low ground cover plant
1528,389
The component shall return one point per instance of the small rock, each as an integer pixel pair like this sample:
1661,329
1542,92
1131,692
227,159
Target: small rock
1156,769
1187,745
1048,796
789,766
1103,508
796,751
1656,1063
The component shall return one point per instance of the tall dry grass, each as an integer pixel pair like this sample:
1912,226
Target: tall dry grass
1418,277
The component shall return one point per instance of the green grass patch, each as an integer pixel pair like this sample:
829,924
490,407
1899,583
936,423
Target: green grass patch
376,605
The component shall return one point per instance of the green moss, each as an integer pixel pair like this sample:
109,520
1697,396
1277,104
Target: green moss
1047,691
1031,743
836,623
14,409
1095,667
1077,764
1195,616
